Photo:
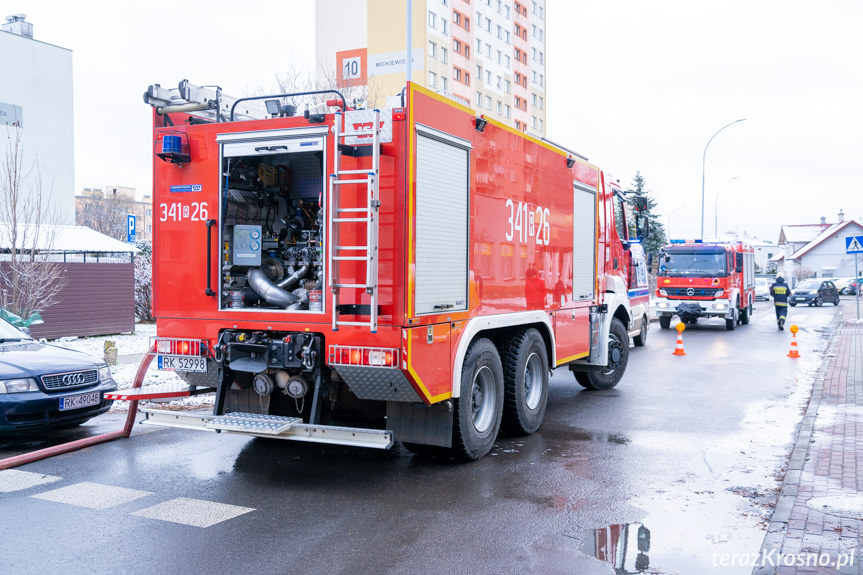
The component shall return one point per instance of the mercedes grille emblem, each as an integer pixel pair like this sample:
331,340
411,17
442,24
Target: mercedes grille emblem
690,292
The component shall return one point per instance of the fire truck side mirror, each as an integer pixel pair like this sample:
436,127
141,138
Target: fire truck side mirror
639,204
642,227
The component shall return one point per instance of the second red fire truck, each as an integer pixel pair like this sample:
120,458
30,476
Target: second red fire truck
706,280
359,277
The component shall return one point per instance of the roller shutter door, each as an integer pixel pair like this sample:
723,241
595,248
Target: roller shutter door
441,223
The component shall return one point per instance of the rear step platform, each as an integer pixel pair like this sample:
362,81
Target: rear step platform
275,426
156,391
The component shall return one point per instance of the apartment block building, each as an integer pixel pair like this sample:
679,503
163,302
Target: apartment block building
36,115
486,54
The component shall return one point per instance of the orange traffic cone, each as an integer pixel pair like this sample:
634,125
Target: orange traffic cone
678,350
793,351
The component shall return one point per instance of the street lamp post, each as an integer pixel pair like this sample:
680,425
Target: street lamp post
716,209
703,159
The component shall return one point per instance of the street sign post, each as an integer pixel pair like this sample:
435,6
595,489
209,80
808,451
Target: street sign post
854,245
130,228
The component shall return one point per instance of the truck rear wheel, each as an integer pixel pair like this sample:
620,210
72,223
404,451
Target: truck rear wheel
525,376
618,356
641,339
477,412
665,321
744,315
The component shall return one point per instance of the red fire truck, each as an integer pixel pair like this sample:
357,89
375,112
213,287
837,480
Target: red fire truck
359,277
706,279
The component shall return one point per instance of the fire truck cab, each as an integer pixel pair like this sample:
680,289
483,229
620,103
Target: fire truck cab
706,279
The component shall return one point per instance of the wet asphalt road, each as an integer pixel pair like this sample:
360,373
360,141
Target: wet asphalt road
689,449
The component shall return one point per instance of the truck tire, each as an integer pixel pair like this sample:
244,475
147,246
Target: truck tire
525,378
618,356
665,321
641,339
744,315
730,323
477,412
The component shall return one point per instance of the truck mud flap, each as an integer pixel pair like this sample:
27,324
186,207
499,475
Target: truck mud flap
275,426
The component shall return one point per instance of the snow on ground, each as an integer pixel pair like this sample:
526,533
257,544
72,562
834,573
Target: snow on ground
131,349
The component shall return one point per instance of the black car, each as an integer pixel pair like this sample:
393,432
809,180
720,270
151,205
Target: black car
814,292
44,386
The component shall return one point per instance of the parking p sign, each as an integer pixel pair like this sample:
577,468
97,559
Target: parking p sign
130,228
854,244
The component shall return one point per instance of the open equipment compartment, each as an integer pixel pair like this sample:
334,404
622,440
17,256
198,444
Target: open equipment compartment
272,229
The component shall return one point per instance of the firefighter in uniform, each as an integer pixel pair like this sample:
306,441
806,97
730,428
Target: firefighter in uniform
780,291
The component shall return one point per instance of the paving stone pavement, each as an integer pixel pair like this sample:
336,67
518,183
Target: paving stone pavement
817,525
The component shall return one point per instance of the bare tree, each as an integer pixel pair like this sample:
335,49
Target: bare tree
144,282
105,215
358,93
31,278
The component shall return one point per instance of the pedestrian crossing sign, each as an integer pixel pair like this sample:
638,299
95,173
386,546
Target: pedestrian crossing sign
854,244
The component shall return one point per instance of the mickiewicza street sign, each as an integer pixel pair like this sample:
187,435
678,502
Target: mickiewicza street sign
854,244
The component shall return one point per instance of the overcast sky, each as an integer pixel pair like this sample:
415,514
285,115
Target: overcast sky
634,85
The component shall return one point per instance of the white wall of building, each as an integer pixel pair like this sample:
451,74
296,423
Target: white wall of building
37,80
828,259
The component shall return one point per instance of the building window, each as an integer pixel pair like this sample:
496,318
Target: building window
444,26
432,80
432,50
456,45
479,72
478,100
506,111
499,108
444,54
456,17
466,51
488,102
456,74
432,19
467,24
443,83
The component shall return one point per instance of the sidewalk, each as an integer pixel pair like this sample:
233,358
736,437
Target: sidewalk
818,518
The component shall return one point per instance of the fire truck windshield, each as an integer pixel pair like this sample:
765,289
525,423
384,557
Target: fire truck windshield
693,264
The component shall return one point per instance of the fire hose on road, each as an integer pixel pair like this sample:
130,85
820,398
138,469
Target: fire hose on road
88,441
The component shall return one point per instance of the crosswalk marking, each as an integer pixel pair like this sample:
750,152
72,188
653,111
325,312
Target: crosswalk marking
15,480
92,495
194,512
186,511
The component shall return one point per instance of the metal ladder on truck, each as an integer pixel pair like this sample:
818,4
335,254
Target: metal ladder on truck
340,215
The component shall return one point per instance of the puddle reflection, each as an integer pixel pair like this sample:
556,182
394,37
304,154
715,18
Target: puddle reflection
624,546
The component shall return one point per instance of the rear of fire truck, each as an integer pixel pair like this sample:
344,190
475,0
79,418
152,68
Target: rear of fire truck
705,280
345,276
